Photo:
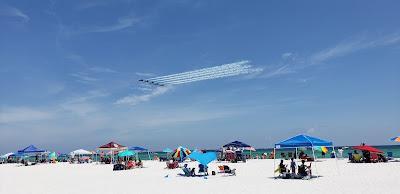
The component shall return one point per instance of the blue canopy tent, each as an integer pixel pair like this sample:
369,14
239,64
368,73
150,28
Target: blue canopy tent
30,149
203,158
302,141
236,144
140,149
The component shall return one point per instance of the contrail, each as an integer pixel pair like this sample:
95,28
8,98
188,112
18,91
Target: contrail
204,70
221,71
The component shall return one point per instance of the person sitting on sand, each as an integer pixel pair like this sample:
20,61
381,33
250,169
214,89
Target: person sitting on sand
301,154
186,170
304,170
139,163
193,172
282,167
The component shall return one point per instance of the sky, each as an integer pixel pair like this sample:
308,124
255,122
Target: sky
69,72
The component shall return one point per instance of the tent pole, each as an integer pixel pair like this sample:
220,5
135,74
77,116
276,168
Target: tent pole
274,162
315,161
336,160
148,153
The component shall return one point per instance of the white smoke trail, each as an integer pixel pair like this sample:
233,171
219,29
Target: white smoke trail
208,77
221,71
204,70
225,71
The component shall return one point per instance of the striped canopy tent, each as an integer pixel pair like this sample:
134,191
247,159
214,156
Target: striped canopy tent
396,139
181,153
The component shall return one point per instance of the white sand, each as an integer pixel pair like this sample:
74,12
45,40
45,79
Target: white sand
252,177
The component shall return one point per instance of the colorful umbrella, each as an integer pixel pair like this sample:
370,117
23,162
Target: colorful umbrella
397,139
321,149
367,148
181,153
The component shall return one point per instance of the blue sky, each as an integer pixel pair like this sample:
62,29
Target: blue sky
330,69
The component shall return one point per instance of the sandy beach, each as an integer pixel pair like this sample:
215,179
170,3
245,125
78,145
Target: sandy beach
255,176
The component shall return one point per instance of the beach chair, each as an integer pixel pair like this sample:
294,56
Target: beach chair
186,172
203,169
357,158
226,169
390,155
374,157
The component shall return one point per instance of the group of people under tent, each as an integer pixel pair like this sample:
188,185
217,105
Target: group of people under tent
128,164
366,157
303,170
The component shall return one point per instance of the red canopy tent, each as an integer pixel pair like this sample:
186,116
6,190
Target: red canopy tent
367,148
113,147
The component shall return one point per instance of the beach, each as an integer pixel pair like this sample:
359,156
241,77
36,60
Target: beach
254,176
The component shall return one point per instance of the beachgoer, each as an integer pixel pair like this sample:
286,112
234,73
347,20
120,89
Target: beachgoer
301,154
303,169
293,166
282,167
340,151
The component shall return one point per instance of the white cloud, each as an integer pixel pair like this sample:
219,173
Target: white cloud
102,70
286,55
22,114
311,130
83,77
80,105
122,23
81,109
144,74
9,11
136,99
345,48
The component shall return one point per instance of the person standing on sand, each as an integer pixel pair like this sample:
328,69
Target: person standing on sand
293,166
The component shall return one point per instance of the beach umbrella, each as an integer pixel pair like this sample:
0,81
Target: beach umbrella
367,148
396,139
52,156
203,158
126,153
181,153
321,149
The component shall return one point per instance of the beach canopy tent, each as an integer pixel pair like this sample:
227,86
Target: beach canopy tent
112,147
80,152
367,148
396,139
203,158
300,141
167,150
137,149
237,144
140,149
30,149
5,156
303,141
